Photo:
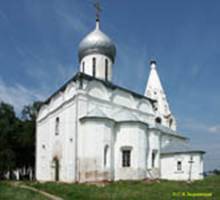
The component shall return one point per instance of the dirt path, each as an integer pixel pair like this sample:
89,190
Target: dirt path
48,195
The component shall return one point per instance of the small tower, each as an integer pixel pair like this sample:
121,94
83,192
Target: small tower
154,90
97,54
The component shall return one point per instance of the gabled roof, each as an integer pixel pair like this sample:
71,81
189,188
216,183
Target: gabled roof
80,76
179,147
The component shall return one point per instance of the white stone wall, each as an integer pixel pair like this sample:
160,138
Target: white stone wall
189,171
154,145
42,155
133,136
113,100
94,136
61,146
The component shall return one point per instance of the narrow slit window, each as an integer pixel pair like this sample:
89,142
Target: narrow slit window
106,69
83,67
170,123
57,126
153,159
106,155
94,67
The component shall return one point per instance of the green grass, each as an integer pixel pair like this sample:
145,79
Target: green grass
129,190
9,192
134,190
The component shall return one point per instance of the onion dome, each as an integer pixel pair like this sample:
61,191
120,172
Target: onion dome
97,42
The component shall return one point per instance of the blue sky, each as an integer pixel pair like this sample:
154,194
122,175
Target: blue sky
38,53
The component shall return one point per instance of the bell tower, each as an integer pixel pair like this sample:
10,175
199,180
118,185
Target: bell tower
154,90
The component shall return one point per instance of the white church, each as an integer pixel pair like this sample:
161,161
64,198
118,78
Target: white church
93,130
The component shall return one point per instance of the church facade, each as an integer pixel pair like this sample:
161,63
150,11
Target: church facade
93,130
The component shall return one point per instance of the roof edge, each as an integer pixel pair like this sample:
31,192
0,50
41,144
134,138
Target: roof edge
183,152
80,75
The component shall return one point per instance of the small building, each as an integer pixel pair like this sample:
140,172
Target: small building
93,130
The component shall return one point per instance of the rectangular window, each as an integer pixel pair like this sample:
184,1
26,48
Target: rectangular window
179,166
126,158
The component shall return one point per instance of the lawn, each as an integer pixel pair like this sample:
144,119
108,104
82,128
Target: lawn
10,192
128,190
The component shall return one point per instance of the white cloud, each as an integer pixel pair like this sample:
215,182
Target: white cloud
196,126
73,22
214,129
17,95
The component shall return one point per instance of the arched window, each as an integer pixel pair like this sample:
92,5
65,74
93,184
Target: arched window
170,123
106,149
158,120
153,159
83,67
94,67
57,124
179,166
106,69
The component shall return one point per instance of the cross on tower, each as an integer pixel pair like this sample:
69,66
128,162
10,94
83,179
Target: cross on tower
98,9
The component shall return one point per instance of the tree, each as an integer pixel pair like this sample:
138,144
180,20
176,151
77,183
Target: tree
8,121
17,138
30,112
27,136
216,171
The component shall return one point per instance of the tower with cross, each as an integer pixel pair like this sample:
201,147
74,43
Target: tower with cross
97,52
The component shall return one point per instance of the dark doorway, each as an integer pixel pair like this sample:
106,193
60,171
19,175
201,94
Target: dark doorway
57,169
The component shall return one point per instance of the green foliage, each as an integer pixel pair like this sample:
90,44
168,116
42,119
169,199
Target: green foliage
216,171
17,137
29,113
8,123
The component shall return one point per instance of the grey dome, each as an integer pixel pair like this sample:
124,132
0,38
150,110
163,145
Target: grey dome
97,42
